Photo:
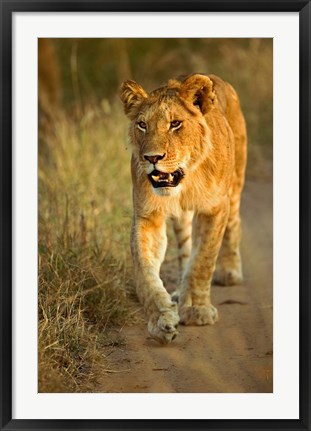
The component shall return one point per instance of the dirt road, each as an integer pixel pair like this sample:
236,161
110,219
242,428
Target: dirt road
235,355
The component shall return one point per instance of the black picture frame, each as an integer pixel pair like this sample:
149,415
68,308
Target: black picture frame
7,10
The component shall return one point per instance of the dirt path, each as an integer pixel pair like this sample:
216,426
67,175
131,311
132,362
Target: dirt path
235,355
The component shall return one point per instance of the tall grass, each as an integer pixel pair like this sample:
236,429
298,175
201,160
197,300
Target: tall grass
247,63
85,279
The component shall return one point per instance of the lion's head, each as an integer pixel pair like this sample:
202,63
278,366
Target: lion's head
168,132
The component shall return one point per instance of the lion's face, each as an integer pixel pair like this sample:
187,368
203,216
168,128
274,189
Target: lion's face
168,132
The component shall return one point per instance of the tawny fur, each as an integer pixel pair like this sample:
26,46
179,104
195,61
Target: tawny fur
210,148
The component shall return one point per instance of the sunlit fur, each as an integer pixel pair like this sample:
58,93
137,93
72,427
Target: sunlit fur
210,148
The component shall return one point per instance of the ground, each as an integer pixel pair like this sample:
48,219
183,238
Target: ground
236,354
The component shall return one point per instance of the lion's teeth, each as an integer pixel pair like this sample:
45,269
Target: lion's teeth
163,178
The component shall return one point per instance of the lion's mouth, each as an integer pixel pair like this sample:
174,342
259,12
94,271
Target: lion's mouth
164,179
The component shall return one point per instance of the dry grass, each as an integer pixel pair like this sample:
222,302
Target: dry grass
247,63
85,279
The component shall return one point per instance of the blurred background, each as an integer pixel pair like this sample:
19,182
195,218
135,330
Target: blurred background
86,288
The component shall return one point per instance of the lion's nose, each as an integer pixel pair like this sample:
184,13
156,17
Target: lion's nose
154,158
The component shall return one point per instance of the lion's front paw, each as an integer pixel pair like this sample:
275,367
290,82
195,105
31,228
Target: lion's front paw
198,315
228,276
163,326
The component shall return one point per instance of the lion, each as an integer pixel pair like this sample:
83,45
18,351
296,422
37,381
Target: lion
188,141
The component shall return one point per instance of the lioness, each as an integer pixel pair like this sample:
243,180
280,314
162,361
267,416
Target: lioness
188,142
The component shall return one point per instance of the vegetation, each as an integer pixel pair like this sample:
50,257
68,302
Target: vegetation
85,279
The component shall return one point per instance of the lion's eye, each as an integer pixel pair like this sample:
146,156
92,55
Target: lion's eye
142,126
176,124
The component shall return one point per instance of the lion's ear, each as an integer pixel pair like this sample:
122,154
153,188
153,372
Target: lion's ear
198,90
131,94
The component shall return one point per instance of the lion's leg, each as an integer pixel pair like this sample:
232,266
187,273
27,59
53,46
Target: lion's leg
183,229
148,250
195,305
229,266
